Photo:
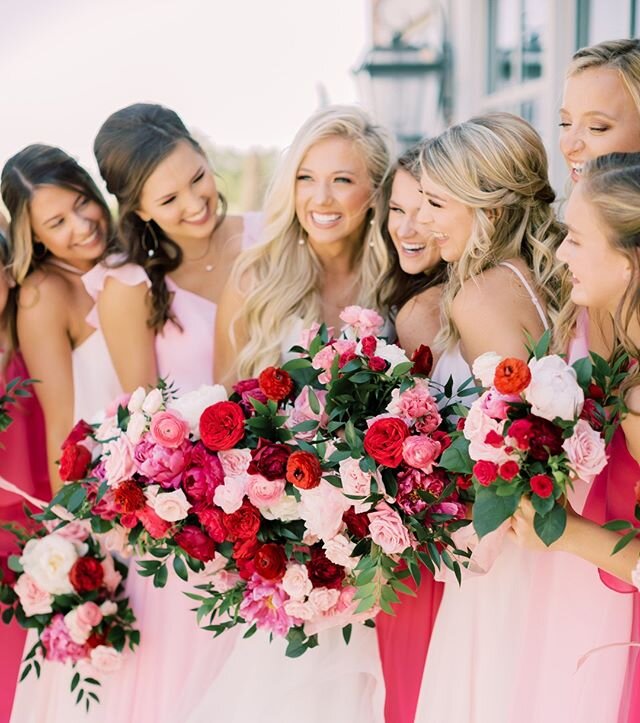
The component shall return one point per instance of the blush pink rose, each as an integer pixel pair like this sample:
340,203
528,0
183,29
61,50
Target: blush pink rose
235,462
74,531
34,600
322,508
387,530
364,322
263,492
296,581
421,452
168,429
106,659
119,463
81,620
229,495
302,412
586,451
355,482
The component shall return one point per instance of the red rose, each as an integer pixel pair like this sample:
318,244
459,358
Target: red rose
196,543
521,431
275,383
377,364
546,439
211,518
74,462
357,522
87,574
512,376
593,414
463,482
542,485
222,426
493,439
323,572
81,431
509,469
242,524
441,436
383,441
345,358
96,639
154,525
129,497
270,562
460,423
595,392
269,460
422,359
303,470
369,344
485,472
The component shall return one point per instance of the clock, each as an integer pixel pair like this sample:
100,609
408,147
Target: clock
414,22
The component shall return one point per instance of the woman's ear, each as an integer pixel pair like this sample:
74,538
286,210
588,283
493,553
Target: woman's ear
143,216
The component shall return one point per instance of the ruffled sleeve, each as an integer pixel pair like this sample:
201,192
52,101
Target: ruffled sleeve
252,234
94,281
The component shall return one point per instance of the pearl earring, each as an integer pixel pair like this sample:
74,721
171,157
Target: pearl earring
301,242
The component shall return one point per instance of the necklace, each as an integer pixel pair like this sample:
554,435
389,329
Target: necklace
66,267
208,267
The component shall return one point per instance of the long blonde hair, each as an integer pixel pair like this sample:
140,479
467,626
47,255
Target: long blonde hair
496,165
611,184
284,275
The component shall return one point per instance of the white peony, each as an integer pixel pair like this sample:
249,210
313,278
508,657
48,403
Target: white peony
48,561
391,353
285,510
169,506
191,405
484,367
554,390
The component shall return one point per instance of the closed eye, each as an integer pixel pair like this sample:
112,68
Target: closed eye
343,179
199,177
395,209
167,201
434,203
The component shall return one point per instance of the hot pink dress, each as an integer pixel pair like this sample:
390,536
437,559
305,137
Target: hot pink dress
23,461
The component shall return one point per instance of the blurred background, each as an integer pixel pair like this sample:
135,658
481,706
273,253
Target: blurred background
244,74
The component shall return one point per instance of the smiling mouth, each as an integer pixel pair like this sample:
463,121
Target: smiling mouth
325,219
413,249
92,239
201,217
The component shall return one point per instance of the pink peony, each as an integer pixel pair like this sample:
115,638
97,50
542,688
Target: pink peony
263,605
168,429
323,361
106,659
204,474
364,322
421,452
34,600
160,464
585,449
416,403
263,492
119,462
58,644
322,508
410,481
387,530
497,405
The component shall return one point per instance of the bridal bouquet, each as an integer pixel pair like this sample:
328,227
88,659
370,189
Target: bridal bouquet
537,428
67,589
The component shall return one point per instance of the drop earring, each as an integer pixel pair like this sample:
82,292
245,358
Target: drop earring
371,223
150,249
301,242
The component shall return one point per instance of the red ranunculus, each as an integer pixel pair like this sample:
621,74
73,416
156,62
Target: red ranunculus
463,482
270,562
303,470
383,441
196,543
242,524
357,522
546,439
87,574
152,523
422,359
485,472
542,485
323,572
275,383
222,426
211,518
521,431
269,460
74,462
377,364
129,497
509,469
512,376
81,431
369,344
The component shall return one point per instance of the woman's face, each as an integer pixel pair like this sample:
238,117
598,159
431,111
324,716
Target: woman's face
70,225
333,192
181,196
417,250
598,116
600,273
449,221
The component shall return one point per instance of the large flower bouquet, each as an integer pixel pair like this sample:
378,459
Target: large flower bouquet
536,429
69,590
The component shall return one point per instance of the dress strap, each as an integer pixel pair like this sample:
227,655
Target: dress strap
534,299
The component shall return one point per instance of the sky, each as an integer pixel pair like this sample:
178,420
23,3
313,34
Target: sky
245,73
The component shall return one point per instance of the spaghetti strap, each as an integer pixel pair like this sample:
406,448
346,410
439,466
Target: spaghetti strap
527,286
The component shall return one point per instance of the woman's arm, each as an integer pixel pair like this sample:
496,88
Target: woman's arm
418,321
231,335
123,311
45,344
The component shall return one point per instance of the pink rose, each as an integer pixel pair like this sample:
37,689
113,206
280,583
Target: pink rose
387,530
263,492
106,659
299,610
585,449
34,600
161,464
323,361
74,531
168,429
296,581
322,508
323,598
364,322
229,495
81,620
169,506
421,452
355,482
477,428
119,462
497,405
235,462
302,412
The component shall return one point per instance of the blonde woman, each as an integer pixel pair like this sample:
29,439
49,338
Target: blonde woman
320,252
320,255
487,201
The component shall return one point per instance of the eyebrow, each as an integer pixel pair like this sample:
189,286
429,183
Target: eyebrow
333,173
174,193
592,113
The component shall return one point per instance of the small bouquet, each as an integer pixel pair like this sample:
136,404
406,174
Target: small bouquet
536,429
67,589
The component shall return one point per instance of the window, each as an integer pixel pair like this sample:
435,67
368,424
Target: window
600,20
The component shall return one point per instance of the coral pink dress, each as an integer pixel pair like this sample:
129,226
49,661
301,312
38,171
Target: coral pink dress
23,461
176,661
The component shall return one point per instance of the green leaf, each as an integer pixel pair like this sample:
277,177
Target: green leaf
25,672
543,505
401,369
490,511
617,525
161,576
584,371
76,499
346,633
550,527
625,540
180,568
74,681
456,457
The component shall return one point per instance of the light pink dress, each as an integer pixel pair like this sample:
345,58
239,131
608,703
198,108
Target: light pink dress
506,644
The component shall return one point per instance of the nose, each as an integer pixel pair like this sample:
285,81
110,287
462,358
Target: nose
82,225
407,228
193,203
322,193
571,141
424,214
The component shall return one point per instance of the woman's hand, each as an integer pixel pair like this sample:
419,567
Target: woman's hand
523,532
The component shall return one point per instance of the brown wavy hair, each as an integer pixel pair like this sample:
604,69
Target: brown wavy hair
129,146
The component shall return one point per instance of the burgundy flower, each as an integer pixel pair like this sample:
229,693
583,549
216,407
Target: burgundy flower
546,439
357,522
269,460
323,572
196,543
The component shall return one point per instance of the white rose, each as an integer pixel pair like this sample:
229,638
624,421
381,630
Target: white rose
322,508
285,510
391,353
300,610
586,451
153,402
108,607
229,495
106,659
136,427
553,390
191,405
48,560
169,506
136,400
484,367
296,582
323,598
338,549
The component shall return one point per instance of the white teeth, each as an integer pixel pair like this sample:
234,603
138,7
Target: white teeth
441,236
198,217
325,218
413,247
91,239
578,167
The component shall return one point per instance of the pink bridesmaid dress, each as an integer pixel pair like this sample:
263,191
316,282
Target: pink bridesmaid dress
176,661
23,461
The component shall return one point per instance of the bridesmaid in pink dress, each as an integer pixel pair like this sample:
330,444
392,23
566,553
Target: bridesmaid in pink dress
413,288
156,306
